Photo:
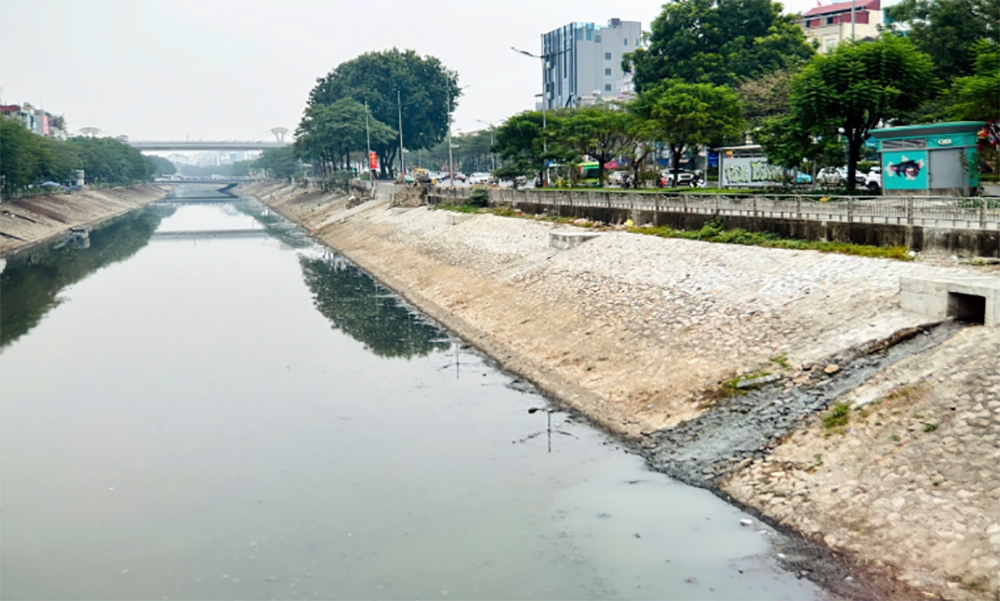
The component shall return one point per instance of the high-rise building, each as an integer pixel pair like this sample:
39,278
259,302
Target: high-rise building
582,62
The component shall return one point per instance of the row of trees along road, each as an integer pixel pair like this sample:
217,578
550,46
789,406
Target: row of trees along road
397,87
714,71
27,159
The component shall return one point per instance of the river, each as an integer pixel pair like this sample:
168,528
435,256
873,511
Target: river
194,414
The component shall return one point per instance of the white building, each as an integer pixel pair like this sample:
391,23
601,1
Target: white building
830,25
583,62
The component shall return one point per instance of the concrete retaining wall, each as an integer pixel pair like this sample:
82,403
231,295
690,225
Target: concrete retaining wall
979,243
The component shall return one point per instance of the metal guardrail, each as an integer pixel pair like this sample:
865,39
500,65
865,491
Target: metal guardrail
931,211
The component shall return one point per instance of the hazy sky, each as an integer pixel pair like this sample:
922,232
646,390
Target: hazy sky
227,69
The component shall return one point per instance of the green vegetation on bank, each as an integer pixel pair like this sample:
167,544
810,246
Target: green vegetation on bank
715,232
711,232
27,160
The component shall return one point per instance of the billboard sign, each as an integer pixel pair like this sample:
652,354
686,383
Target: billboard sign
748,172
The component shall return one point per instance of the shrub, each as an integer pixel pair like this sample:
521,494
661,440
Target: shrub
479,197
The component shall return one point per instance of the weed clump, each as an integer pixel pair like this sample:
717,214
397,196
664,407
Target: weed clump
838,416
714,231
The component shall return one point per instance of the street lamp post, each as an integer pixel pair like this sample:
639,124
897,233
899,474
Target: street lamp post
545,100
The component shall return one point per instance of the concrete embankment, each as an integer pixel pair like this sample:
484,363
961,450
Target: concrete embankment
38,220
640,333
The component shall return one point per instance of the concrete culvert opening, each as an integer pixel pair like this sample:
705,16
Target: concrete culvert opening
967,307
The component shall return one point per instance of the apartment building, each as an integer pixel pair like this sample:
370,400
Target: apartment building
582,62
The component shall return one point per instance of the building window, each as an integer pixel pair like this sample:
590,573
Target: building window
607,87
607,71
607,56
625,40
597,38
590,34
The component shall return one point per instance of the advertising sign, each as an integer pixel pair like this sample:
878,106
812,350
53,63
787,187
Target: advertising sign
372,160
747,172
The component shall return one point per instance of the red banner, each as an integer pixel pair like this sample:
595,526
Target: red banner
373,160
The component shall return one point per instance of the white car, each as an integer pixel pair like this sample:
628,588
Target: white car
479,178
874,179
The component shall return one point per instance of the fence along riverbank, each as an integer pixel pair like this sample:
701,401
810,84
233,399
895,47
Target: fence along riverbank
953,225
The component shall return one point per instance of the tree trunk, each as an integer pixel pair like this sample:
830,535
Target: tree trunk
854,151
675,163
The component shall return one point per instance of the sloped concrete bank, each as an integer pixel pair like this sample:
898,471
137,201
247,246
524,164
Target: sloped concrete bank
39,220
638,334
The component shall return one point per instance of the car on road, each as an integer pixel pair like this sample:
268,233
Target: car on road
874,179
684,178
831,176
803,178
479,178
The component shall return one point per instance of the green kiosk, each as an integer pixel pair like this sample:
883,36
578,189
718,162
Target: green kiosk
937,159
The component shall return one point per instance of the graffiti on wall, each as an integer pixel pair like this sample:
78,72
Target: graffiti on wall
751,172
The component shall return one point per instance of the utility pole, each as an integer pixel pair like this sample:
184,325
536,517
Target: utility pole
451,157
402,164
493,156
852,20
368,134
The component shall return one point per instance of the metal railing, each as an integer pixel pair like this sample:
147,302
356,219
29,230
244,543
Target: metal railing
931,211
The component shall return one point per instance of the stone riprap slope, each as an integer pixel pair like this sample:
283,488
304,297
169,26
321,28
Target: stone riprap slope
28,221
640,328
911,480
637,332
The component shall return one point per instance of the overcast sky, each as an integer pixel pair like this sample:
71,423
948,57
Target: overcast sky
227,69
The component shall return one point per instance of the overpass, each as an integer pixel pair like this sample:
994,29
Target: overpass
204,146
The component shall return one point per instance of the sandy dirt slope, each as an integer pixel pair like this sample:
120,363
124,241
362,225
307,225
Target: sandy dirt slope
29,221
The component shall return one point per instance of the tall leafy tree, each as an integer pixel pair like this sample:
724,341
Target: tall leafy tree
688,116
947,30
858,86
519,143
426,90
977,97
328,133
721,42
280,162
601,132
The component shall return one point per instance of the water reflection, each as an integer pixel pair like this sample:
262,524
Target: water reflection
355,304
30,284
274,224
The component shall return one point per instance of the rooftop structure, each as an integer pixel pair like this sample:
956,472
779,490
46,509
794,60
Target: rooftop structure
829,25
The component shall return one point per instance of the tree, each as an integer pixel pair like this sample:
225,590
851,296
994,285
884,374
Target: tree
947,30
426,91
765,97
161,166
858,86
328,133
519,143
977,97
691,115
722,42
786,142
601,132
280,162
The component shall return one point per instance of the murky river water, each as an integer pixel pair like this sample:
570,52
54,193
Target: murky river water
248,416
